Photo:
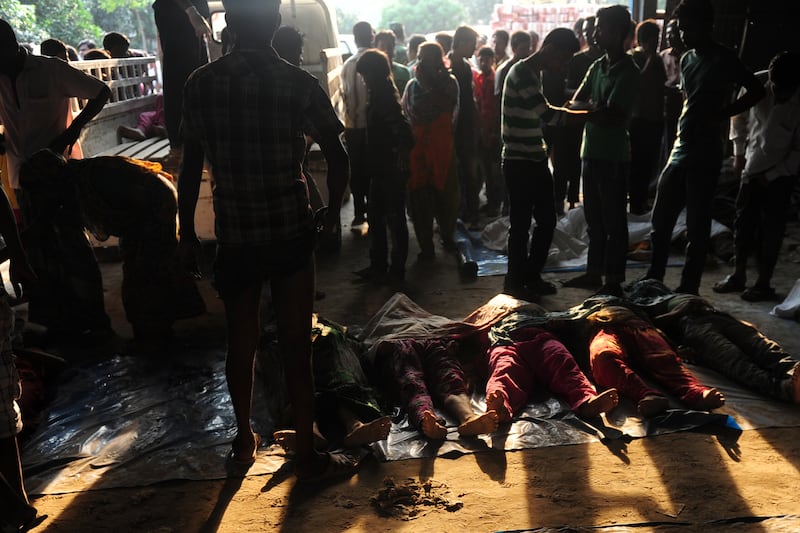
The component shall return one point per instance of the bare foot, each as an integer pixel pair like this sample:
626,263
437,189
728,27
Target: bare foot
326,467
602,403
479,424
432,427
495,401
369,432
652,405
287,439
244,448
712,398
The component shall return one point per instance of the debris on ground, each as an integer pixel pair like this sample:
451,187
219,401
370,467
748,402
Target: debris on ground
413,498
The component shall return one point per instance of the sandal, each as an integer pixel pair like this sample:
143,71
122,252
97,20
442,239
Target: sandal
729,284
246,461
758,294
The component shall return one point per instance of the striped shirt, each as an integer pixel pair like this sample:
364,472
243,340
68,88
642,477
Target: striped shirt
248,110
524,111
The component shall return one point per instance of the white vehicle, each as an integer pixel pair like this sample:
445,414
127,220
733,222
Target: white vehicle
315,20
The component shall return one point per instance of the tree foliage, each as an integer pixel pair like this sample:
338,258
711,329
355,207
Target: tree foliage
22,19
479,11
68,20
345,20
424,16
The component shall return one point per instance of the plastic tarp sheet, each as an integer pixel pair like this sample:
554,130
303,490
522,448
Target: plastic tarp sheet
570,246
128,421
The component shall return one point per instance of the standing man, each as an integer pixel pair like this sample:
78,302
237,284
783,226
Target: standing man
766,148
500,43
182,31
528,178
466,134
247,111
610,88
35,94
355,123
385,42
710,73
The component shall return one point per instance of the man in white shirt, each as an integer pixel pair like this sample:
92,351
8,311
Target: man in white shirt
766,147
355,122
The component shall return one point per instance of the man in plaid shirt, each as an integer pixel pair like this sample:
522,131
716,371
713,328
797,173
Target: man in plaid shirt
247,112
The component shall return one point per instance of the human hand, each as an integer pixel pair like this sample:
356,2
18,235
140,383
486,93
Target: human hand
22,277
188,254
198,22
64,140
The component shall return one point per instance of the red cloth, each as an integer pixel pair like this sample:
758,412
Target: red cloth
538,360
488,110
618,351
432,154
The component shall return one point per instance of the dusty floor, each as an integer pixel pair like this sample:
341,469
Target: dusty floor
685,478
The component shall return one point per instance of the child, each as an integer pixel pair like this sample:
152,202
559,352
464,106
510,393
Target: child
610,87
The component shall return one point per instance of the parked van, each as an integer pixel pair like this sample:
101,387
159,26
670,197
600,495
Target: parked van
314,19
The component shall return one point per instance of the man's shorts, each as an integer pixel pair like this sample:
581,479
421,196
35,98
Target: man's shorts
10,388
239,267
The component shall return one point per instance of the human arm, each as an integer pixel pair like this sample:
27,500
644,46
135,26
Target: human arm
738,136
70,135
323,119
198,22
753,93
20,270
189,180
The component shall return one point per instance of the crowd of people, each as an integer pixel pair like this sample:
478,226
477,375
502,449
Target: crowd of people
594,109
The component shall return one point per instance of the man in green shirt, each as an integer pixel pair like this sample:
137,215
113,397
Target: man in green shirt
710,73
610,88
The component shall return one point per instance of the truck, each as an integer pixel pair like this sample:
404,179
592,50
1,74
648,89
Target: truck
316,21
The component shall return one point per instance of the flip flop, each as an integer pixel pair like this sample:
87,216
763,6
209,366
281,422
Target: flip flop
249,460
339,466
728,284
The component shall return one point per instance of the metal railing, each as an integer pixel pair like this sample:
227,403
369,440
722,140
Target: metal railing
128,78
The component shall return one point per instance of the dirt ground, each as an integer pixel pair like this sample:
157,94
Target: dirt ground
687,479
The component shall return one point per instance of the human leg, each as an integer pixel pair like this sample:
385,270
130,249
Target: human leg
544,214
653,353
670,199
777,198
517,176
510,381
554,367
446,204
700,186
611,368
739,351
744,235
421,210
398,226
356,140
615,221
593,178
378,222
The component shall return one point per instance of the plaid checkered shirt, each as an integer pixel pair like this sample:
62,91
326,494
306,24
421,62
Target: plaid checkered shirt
248,110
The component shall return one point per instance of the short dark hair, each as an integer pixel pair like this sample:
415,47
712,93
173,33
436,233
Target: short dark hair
399,30
699,11
486,51
464,33
288,43
362,33
647,31
617,16
414,41
54,48
520,37
563,39
115,40
445,40
386,35
503,34
784,70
